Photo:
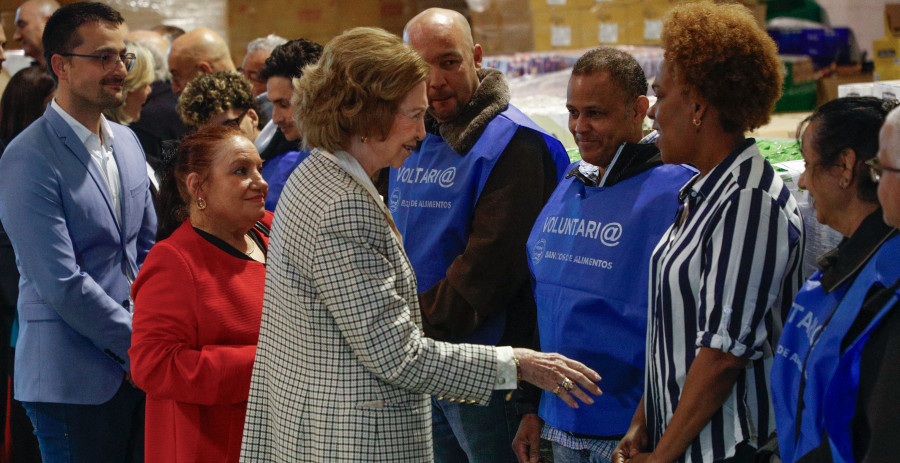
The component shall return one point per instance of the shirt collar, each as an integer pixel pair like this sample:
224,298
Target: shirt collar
630,159
700,187
82,132
844,261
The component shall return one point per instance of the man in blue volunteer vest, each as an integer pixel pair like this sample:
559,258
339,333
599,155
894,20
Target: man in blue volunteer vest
589,253
464,202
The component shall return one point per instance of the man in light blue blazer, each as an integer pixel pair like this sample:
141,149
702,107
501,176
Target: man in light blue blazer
75,201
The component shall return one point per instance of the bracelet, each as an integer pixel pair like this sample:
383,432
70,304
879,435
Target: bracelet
518,368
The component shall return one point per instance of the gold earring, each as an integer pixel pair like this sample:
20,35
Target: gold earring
201,203
697,123
363,139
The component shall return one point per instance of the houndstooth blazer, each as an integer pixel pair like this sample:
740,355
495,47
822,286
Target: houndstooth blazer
342,370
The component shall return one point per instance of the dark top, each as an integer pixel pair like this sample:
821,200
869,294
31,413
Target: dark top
520,184
159,122
877,417
873,411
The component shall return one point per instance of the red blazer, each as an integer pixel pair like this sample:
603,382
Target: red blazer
196,324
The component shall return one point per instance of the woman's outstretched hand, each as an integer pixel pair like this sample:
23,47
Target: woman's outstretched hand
560,375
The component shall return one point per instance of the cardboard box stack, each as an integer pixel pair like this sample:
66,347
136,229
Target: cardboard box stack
314,20
566,24
503,26
886,50
799,84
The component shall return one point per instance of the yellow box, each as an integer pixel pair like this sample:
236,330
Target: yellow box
559,29
649,18
609,24
506,26
886,55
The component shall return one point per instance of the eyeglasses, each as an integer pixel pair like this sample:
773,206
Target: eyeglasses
236,122
109,60
876,170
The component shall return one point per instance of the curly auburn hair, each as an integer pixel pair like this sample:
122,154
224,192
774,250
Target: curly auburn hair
356,87
720,52
210,94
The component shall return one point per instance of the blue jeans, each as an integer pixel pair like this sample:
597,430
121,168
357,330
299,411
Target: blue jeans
110,432
563,454
472,433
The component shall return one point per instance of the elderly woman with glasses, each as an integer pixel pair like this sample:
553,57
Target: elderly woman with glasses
837,142
730,262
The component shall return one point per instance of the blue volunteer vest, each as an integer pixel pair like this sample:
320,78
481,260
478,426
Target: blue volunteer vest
433,195
277,170
841,394
810,347
589,252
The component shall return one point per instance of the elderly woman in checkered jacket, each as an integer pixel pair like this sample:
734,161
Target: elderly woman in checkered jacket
343,371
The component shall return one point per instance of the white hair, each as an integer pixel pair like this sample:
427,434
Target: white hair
266,44
893,120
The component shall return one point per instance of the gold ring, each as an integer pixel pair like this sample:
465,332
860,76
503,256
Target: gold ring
567,384
556,391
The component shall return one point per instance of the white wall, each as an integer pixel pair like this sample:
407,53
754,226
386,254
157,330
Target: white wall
865,17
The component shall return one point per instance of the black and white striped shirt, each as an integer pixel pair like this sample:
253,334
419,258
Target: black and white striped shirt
731,258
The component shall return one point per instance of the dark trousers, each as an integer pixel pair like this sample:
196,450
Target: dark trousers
111,432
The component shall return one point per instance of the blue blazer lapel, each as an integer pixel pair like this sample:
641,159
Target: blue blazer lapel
68,137
123,158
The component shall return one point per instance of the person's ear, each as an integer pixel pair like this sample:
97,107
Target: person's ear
58,65
194,185
699,111
847,162
640,107
477,55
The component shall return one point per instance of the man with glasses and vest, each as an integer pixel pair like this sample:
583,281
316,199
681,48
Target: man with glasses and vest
75,201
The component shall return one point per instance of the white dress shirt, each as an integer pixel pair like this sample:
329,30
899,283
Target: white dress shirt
101,150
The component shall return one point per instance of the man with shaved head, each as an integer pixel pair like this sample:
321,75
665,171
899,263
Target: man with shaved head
198,51
31,17
464,201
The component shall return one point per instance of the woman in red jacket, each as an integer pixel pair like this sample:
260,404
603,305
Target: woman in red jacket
198,299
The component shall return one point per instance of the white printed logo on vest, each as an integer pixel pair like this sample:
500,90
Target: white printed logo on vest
442,177
608,234
537,252
395,200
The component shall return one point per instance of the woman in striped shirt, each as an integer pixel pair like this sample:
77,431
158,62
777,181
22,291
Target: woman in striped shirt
731,259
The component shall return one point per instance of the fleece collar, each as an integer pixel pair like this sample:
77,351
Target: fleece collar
490,99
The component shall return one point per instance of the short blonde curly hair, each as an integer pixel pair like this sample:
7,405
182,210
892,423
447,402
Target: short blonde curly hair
720,52
355,87
140,76
209,95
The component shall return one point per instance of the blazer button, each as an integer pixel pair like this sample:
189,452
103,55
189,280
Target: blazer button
440,397
472,402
